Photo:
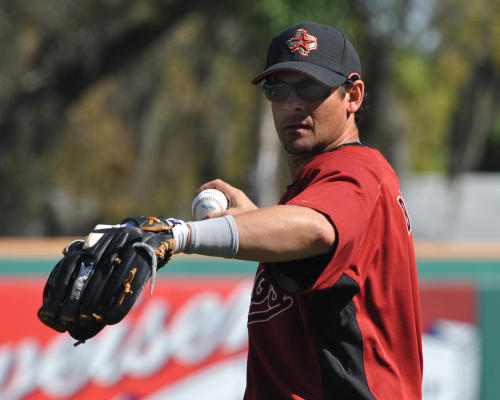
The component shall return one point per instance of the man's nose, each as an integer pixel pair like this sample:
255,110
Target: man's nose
294,103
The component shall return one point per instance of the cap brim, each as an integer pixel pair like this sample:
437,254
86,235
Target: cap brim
321,74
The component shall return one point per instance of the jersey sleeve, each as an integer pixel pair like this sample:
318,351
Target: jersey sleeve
346,197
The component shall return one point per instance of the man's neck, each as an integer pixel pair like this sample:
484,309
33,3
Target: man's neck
296,163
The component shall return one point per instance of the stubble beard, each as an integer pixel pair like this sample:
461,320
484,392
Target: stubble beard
294,149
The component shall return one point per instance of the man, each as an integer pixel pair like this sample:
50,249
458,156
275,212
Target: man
335,307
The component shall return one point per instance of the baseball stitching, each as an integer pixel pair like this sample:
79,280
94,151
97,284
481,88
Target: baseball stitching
209,198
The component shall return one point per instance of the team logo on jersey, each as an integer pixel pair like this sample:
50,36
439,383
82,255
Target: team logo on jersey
266,302
302,42
402,204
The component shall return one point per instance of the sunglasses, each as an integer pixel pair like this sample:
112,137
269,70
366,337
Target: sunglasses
306,89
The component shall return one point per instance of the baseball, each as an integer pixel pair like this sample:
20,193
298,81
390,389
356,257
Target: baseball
208,201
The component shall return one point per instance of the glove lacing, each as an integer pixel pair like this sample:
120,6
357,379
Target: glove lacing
154,262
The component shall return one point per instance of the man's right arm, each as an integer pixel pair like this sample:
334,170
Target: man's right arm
276,233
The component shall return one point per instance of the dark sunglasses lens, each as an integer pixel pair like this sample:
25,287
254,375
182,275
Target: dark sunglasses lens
276,91
307,90
312,91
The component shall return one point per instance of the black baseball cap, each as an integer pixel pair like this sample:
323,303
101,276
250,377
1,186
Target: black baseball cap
319,51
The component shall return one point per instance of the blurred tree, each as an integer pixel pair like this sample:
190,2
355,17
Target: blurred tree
447,79
57,50
491,159
470,32
114,107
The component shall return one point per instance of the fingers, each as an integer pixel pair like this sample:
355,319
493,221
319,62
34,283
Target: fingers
238,201
218,214
232,210
218,184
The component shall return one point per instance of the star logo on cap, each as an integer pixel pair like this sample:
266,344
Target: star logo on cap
302,42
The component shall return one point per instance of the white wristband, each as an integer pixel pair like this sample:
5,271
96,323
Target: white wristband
216,237
180,233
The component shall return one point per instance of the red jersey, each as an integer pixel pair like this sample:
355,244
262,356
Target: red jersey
345,325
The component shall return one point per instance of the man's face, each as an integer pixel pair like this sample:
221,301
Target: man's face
309,127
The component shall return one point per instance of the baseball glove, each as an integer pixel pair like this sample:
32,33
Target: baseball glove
98,281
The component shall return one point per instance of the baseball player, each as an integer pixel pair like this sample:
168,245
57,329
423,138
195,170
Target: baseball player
334,311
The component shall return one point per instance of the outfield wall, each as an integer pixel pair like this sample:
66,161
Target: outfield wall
189,339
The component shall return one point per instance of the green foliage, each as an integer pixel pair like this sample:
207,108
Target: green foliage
110,108
282,13
95,154
423,100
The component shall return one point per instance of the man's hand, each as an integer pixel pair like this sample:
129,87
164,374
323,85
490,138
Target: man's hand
238,201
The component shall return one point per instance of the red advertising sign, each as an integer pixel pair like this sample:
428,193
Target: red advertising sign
447,300
189,341
175,344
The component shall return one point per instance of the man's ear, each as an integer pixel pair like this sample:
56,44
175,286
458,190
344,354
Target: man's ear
355,95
